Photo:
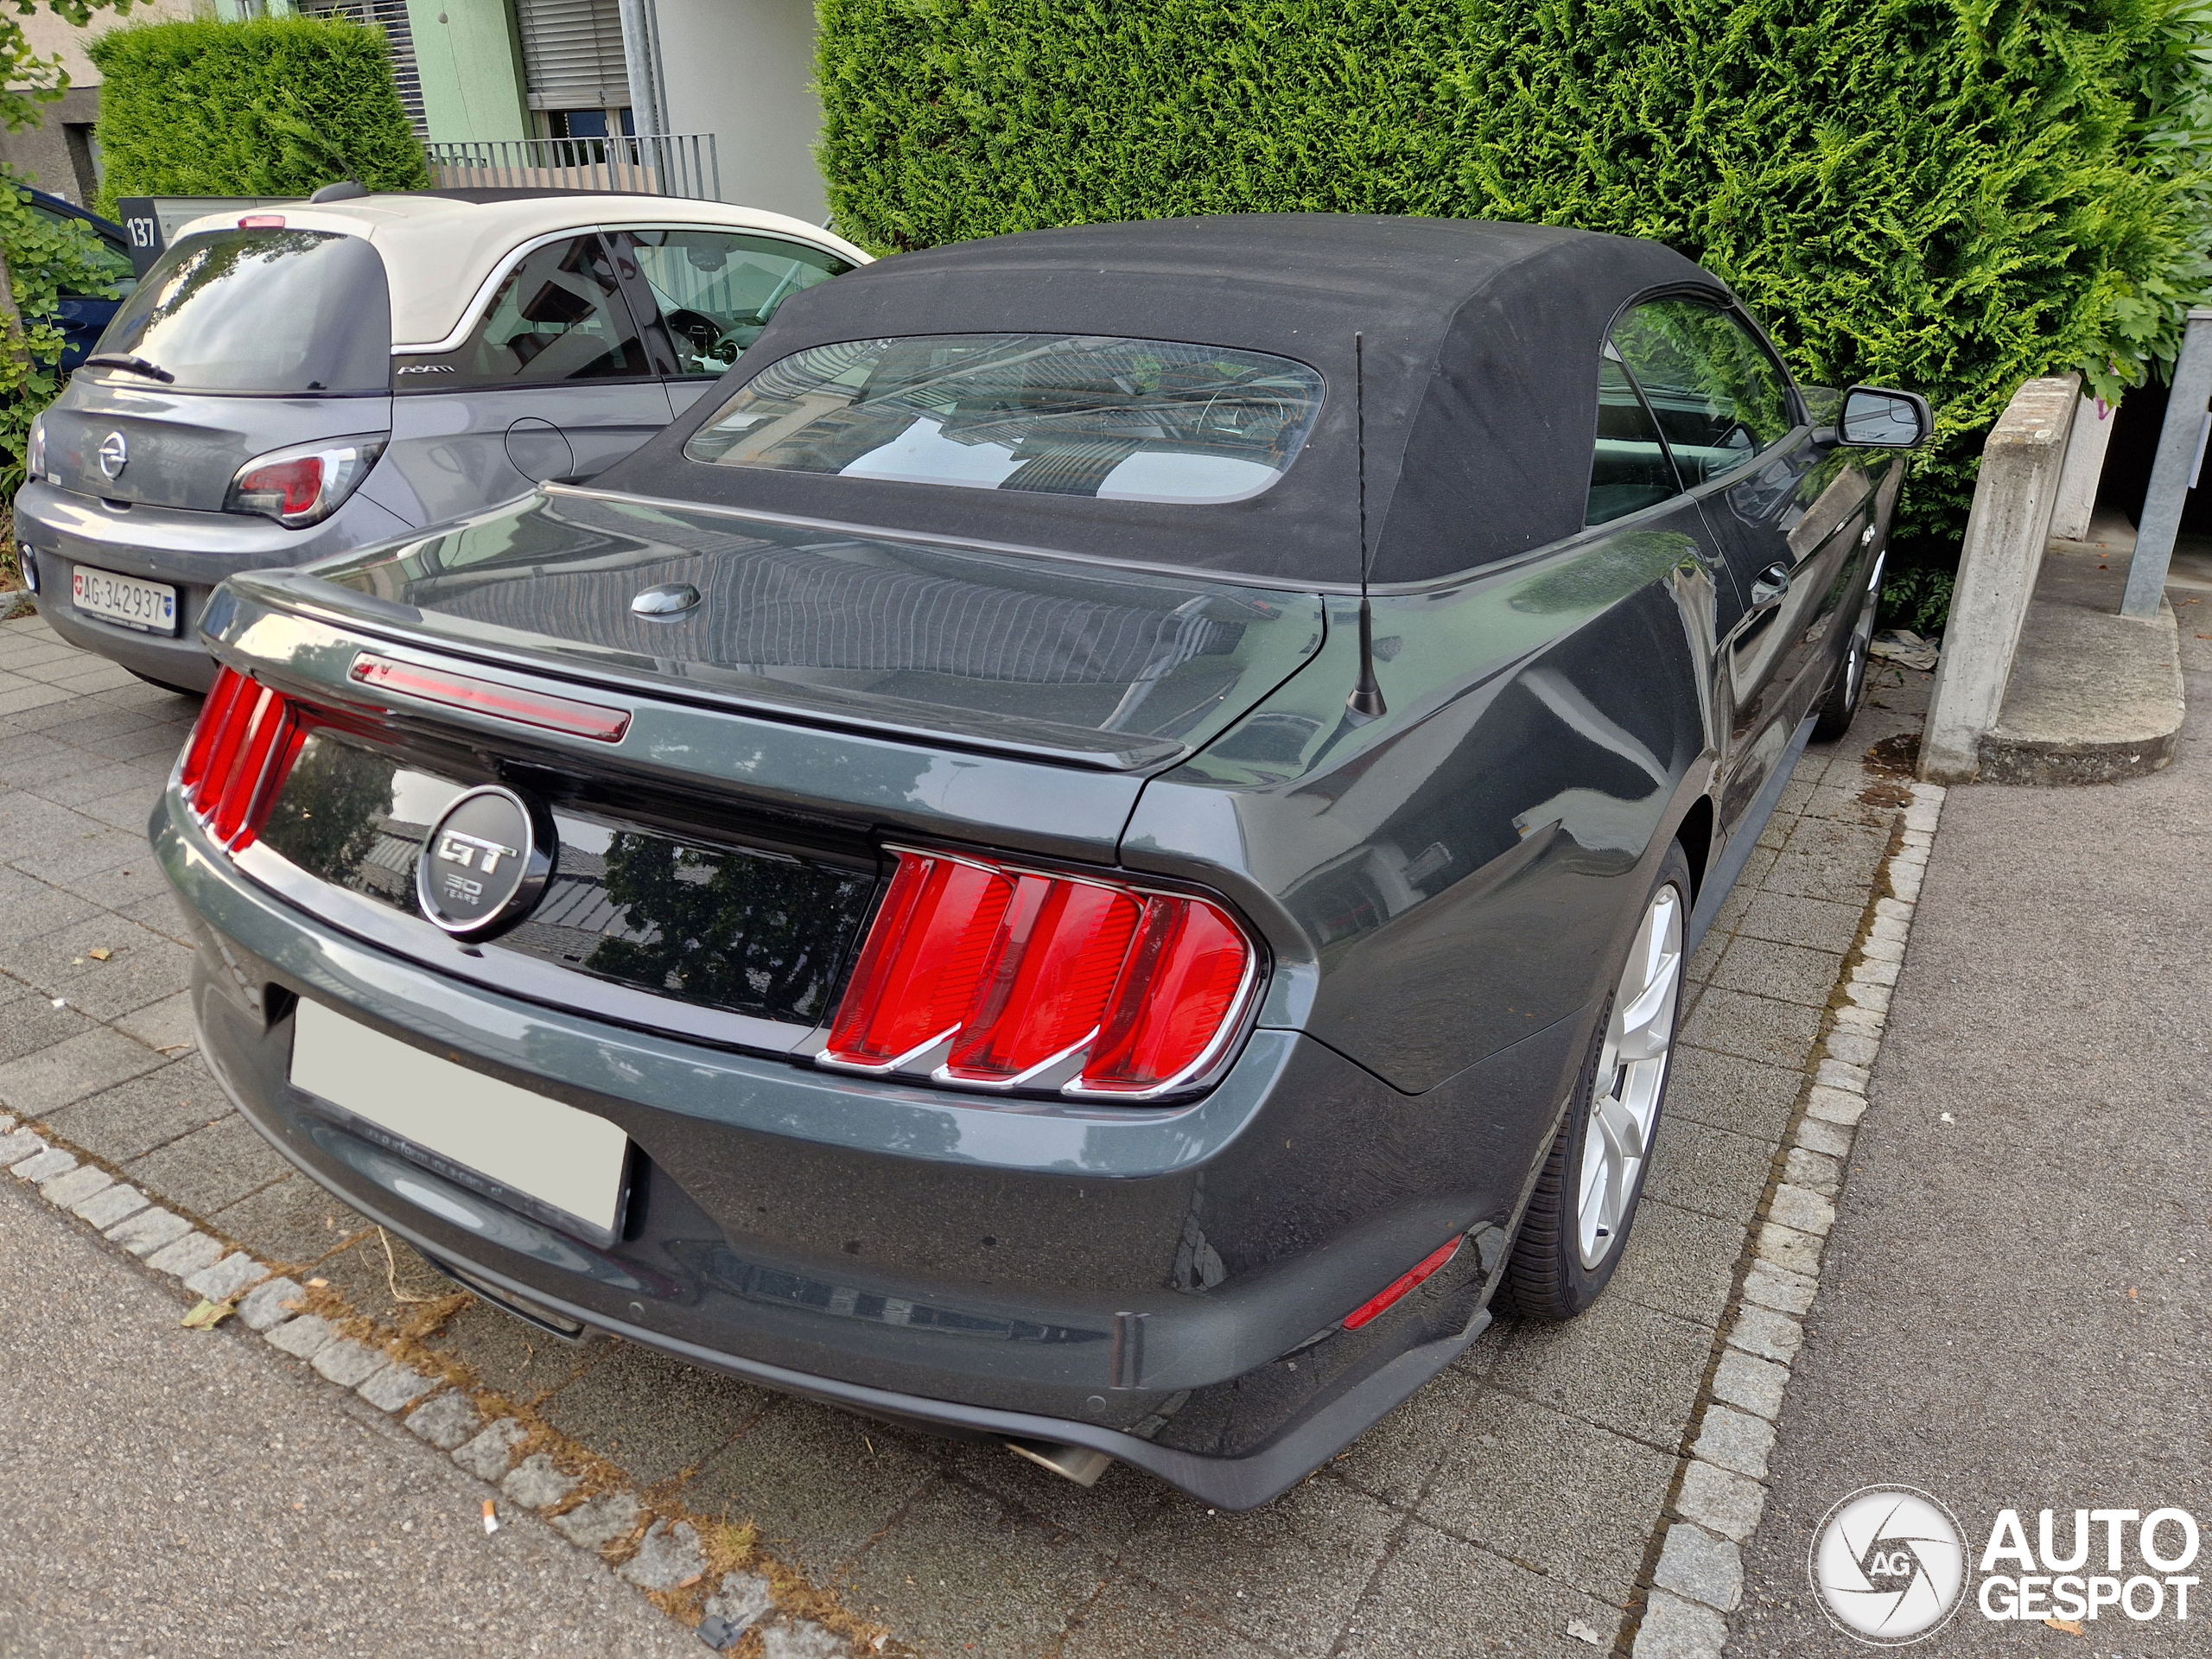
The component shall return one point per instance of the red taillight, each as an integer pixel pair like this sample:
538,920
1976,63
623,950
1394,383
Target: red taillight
288,488
1403,1285
241,751
1177,987
1059,949
214,715
1014,974
488,697
918,973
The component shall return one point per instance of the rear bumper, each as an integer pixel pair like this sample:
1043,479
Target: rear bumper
924,1257
191,552
1231,1483
181,662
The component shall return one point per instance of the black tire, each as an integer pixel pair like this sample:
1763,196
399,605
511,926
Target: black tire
1840,703
176,690
1546,1277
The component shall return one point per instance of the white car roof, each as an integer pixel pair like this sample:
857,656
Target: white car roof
439,251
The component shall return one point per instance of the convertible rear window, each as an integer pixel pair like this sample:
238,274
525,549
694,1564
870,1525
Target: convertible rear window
1130,420
267,309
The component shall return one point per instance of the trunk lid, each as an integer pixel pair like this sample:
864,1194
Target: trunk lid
897,637
181,450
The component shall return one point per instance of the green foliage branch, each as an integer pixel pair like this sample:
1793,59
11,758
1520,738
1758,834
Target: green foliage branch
27,79
273,106
1952,195
46,258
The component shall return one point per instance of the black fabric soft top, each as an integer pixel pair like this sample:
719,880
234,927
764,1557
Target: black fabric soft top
1481,343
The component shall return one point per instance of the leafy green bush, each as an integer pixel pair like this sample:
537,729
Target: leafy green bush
46,258
1951,195
276,106
1918,598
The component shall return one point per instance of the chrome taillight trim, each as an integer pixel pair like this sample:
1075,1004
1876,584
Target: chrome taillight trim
925,1062
1232,1021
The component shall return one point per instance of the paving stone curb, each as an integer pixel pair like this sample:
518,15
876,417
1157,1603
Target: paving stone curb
665,1558
1697,1577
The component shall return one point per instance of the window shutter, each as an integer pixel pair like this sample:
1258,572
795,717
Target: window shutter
572,54
391,16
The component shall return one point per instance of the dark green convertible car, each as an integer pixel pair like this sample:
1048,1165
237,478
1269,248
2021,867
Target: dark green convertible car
1097,851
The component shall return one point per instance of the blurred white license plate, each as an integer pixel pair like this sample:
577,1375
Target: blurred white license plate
568,1160
131,600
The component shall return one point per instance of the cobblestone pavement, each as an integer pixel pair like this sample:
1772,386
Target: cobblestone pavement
1514,1504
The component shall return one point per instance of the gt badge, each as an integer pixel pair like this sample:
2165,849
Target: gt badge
485,864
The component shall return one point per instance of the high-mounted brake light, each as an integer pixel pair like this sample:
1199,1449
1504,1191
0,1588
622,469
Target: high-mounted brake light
590,720
984,973
1403,1285
242,749
262,222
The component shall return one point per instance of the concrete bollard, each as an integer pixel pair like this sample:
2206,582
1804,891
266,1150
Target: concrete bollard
2014,496
2084,468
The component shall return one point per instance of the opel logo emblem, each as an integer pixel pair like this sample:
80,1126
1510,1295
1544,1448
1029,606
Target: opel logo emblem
486,860
115,454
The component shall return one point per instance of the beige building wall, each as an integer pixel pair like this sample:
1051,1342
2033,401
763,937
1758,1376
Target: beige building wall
58,155
744,71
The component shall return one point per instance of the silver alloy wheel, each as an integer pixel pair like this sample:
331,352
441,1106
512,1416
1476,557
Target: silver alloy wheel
1631,1071
1862,635
1854,668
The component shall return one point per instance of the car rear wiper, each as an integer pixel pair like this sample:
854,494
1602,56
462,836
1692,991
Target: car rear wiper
134,364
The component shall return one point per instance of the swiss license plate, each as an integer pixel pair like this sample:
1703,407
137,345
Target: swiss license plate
150,606
572,1162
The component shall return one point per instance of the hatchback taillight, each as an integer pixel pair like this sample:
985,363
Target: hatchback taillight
1001,977
241,751
305,484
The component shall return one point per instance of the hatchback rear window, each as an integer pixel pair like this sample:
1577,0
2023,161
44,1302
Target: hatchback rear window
1132,420
267,310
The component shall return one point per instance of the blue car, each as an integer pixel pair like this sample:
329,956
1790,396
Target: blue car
84,317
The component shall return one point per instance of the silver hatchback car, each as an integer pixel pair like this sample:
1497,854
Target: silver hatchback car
311,379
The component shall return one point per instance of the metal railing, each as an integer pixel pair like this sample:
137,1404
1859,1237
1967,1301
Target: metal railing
672,164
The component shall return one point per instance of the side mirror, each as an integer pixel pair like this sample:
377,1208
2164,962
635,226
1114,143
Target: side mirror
1874,417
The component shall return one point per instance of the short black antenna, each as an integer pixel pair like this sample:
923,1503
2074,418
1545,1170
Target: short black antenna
1365,702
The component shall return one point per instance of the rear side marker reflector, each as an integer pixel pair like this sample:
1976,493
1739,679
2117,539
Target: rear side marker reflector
241,751
1000,977
538,709
1404,1285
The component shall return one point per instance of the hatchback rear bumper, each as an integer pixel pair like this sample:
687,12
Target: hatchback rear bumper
180,661
190,551
1104,1314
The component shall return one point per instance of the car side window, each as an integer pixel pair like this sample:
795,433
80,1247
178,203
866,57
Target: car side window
113,258
716,289
1719,395
1630,470
559,316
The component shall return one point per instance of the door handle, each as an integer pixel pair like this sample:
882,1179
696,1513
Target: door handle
1773,582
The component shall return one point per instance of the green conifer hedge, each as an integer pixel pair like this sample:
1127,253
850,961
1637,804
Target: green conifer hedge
276,106
1951,195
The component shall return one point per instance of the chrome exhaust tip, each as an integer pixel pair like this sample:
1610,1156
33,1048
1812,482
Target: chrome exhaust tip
1076,1463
